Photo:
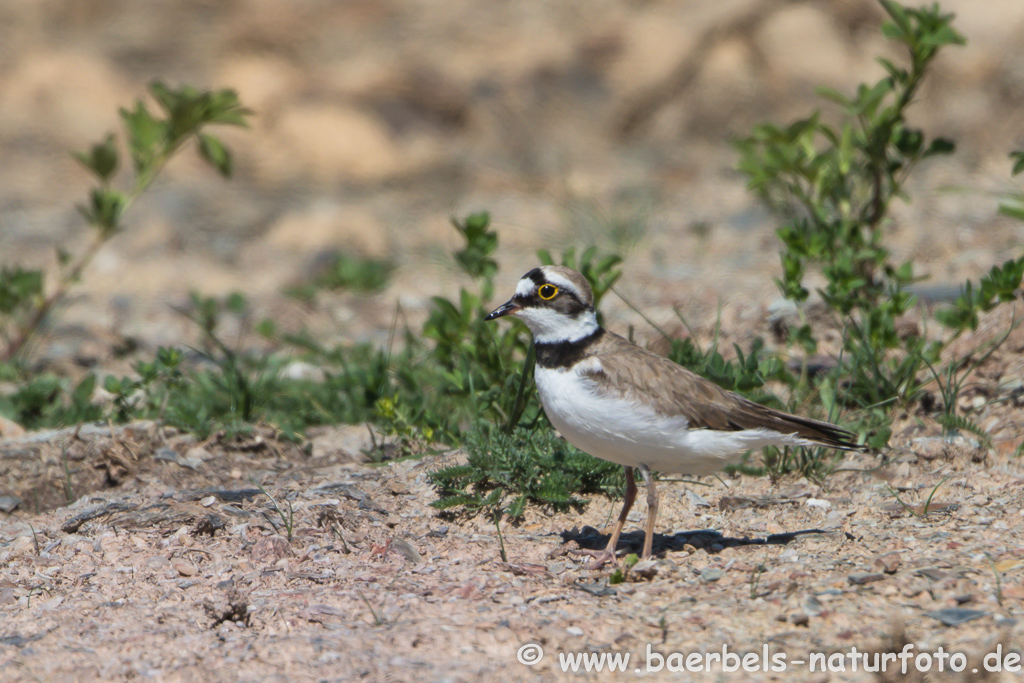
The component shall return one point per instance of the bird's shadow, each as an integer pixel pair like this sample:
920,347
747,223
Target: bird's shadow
710,540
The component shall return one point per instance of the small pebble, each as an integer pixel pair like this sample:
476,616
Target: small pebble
184,567
862,578
574,631
888,563
645,568
697,499
954,616
710,574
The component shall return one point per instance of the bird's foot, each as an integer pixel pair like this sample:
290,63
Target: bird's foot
601,557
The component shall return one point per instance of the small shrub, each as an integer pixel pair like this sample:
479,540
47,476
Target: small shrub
530,466
152,141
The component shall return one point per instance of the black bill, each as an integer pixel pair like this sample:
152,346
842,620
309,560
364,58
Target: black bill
507,308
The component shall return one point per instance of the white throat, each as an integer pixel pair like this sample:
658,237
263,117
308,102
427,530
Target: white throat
550,327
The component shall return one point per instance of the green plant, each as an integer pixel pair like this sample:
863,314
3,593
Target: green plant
356,274
397,421
225,387
46,399
622,573
951,380
246,381
919,511
69,489
377,620
158,380
477,361
755,580
1012,203
998,286
530,466
35,540
152,141
501,537
833,187
998,576
349,273
287,521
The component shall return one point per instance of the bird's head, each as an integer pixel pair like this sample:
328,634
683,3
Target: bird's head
555,302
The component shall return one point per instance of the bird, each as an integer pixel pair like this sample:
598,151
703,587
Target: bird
620,402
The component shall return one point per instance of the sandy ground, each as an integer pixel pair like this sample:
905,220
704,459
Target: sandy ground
183,570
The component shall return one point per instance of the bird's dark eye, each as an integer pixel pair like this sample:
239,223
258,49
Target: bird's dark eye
547,292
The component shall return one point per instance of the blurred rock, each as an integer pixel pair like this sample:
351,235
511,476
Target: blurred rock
270,549
329,225
330,143
10,428
262,81
347,443
69,97
791,35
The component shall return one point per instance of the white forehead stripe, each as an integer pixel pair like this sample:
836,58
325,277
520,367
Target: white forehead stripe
562,282
525,286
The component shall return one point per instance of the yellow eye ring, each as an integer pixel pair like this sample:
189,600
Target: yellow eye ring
547,291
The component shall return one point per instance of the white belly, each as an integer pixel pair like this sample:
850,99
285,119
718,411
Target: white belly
629,433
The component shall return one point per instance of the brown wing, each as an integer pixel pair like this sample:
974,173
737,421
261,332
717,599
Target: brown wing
674,390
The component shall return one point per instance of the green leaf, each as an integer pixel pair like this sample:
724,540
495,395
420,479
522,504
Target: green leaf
833,95
112,385
104,209
167,98
909,141
897,73
898,14
214,151
267,328
940,146
1018,162
1014,208
19,288
101,158
943,35
475,259
236,303
82,394
145,135
224,108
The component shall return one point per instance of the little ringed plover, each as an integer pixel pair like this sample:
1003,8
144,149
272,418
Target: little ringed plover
620,402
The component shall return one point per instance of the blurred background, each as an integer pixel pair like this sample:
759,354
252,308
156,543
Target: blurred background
574,122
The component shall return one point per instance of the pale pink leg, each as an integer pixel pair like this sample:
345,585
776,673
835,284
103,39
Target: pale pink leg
601,557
